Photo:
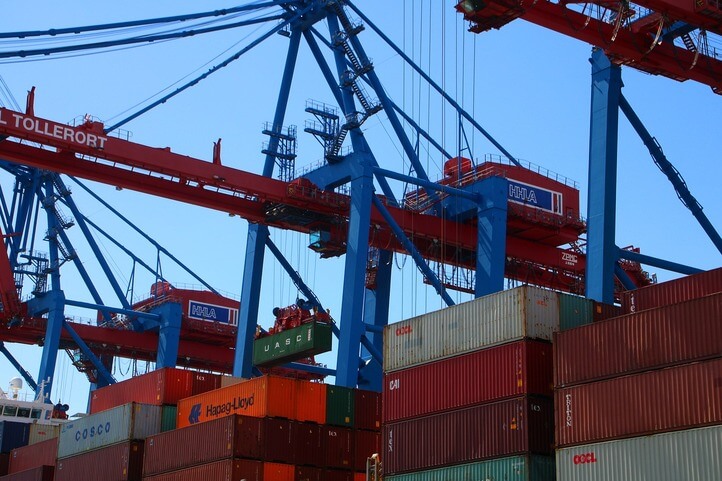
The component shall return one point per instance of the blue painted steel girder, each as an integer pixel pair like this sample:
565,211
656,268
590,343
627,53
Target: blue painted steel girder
491,237
601,216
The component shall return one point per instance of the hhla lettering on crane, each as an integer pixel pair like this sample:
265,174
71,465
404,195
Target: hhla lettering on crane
51,129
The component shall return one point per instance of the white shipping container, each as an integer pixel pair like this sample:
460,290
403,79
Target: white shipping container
690,455
524,312
43,432
117,425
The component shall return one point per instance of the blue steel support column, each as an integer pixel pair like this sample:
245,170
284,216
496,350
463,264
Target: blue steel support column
55,300
257,234
168,334
491,237
601,248
376,314
354,280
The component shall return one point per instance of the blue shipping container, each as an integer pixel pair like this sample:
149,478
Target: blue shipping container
13,435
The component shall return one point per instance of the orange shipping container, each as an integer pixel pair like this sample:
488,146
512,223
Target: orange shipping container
278,472
359,477
260,397
311,402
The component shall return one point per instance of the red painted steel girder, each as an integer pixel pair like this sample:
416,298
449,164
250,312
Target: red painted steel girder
87,153
124,343
625,46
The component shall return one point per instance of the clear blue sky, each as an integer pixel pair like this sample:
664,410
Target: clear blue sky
527,86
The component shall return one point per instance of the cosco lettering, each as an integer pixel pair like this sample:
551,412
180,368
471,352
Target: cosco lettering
586,458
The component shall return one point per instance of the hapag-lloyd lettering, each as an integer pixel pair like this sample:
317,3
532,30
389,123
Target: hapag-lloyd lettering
57,131
238,403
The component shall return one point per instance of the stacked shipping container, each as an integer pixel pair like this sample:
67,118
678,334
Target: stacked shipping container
293,429
467,390
634,392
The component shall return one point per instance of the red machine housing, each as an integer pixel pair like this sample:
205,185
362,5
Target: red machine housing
556,224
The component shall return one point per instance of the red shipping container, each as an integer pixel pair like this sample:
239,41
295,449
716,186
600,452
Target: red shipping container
33,456
366,443
336,475
229,437
510,370
310,401
278,472
514,426
119,462
654,338
307,444
359,477
673,292
4,462
652,402
602,312
339,447
308,473
40,473
162,386
367,410
278,441
226,470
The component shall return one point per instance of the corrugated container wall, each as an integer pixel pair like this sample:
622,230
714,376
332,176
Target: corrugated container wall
4,461
40,473
673,292
339,444
310,402
308,473
524,312
516,468
278,472
307,444
226,470
258,397
33,456
654,338
130,421
119,462
162,386
656,401
367,443
574,311
43,432
515,426
691,455
229,437
340,406
367,410
13,435
168,416
278,442
510,370
336,475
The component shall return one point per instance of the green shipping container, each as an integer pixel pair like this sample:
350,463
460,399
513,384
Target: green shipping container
293,344
340,406
574,311
167,418
517,468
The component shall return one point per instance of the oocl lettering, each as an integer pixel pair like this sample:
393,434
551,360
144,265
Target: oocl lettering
585,458
403,330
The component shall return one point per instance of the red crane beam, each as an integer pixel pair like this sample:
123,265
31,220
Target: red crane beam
88,153
634,47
